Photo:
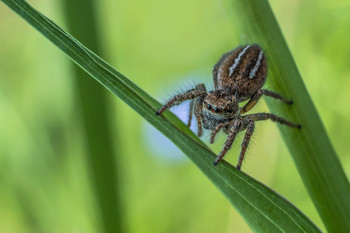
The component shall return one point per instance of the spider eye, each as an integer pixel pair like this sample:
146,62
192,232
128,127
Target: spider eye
208,106
217,110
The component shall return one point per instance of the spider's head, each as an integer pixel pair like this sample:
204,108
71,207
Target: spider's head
221,103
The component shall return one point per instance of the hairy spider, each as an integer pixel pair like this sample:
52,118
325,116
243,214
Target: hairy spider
238,76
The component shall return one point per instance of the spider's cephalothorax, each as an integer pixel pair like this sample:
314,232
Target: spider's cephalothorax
238,76
219,107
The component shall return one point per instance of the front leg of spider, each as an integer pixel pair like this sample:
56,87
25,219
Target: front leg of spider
198,107
246,139
178,99
215,132
231,137
190,112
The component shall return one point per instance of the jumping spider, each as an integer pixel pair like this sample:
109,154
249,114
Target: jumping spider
238,76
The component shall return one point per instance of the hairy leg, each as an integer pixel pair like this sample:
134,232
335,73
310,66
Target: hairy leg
198,105
215,131
190,113
266,116
178,99
247,136
198,114
255,98
231,137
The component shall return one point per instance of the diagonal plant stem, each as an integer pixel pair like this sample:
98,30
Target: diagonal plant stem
262,208
311,149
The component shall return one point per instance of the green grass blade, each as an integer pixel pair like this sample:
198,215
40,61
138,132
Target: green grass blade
311,149
263,209
100,153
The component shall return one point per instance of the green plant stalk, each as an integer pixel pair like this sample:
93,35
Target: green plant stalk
263,209
100,152
311,149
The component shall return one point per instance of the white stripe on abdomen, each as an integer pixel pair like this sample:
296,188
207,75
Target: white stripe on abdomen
256,66
233,67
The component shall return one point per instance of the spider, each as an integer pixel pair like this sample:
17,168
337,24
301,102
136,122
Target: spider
239,75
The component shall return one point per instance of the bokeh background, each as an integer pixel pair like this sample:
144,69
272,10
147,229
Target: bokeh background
46,177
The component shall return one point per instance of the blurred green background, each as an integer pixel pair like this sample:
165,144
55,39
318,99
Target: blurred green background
45,174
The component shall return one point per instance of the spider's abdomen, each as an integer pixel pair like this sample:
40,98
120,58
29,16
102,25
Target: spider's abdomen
241,71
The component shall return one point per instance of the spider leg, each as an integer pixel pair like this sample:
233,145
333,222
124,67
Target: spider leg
198,114
266,116
178,99
254,99
247,137
215,131
231,137
276,96
197,109
190,112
